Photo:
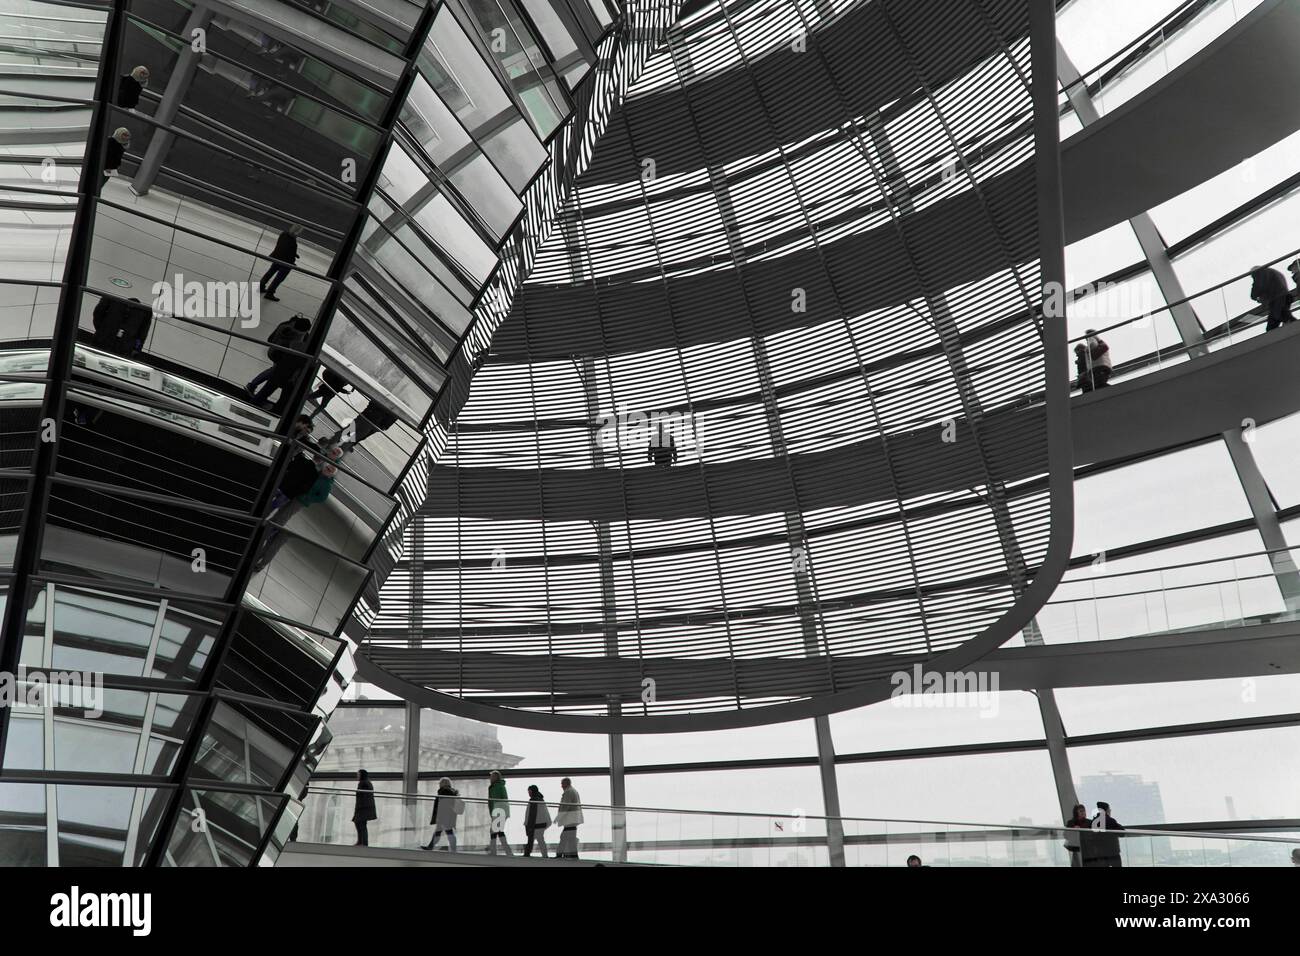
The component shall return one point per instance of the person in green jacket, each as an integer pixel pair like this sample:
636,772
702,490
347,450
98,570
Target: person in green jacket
499,811
317,491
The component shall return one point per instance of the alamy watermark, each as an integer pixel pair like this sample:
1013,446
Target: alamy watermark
208,299
637,430
921,688
1101,302
76,690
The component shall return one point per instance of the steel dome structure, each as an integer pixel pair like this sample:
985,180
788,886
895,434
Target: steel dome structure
810,246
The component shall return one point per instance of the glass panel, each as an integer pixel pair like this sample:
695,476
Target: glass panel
244,105
458,157
198,293
938,720
251,745
22,825
1152,499
280,663
301,581
1273,446
142,541
26,314
35,243
188,634
793,739
1201,205
782,791
1099,710
231,829
520,56
1252,774
96,631
455,70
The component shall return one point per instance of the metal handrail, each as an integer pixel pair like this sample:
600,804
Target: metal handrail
1045,830
1189,564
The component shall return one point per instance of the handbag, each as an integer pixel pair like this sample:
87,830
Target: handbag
459,806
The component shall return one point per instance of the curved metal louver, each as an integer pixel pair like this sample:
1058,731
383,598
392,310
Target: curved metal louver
811,246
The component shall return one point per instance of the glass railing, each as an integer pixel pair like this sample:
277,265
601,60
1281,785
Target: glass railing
657,836
1149,341
1238,591
1155,53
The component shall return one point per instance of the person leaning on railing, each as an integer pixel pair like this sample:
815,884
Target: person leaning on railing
1101,843
1093,362
1268,287
1074,842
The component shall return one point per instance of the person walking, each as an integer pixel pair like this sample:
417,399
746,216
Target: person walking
117,144
286,252
130,86
568,817
536,820
365,808
498,812
285,365
120,325
332,384
1268,288
374,418
322,484
447,805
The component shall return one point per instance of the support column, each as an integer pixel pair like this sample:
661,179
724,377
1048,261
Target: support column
1144,227
178,84
830,790
794,525
617,799
1057,755
411,768
605,562
1262,509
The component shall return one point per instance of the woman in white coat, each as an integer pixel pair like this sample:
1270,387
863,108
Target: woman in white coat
568,817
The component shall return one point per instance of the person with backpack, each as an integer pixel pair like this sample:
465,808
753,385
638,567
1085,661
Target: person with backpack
1268,288
322,483
536,820
447,806
121,326
285,365
374,418
498,813
331,386
286,254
